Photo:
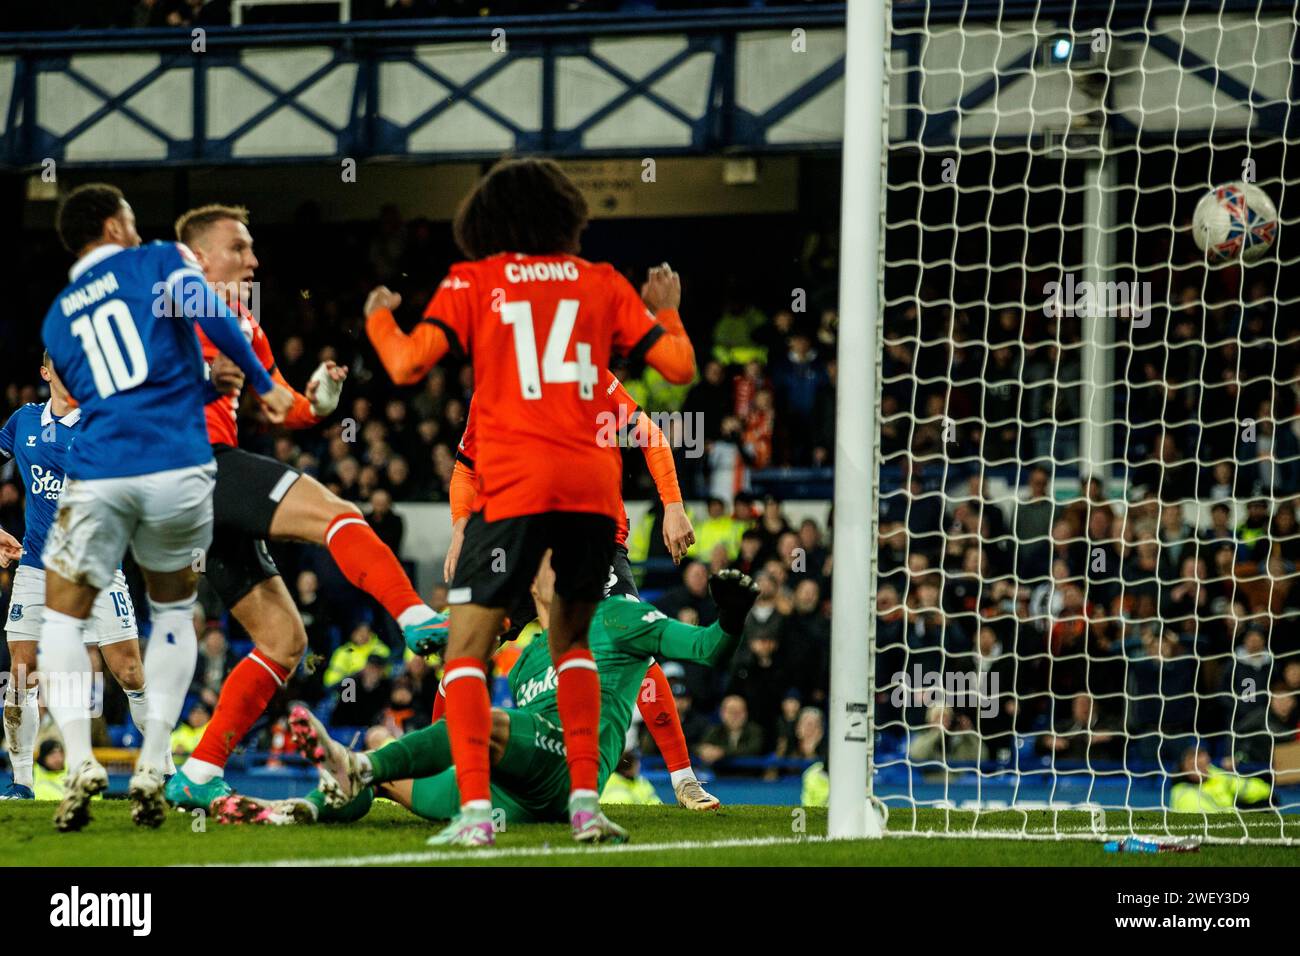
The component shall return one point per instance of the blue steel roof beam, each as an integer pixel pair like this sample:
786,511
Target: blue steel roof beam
634,88
462,92
281,98
114,102
752,128
1271,114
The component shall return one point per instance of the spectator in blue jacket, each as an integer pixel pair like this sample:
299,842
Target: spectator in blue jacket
799,378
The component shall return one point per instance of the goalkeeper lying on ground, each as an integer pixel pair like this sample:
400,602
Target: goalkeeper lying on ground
530,779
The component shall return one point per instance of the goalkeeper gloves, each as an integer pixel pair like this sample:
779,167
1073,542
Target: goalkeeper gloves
328,392
734,593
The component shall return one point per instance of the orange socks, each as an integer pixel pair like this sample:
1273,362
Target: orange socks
469,724
577,694
370,565
244,697
439,704
659,711
463,700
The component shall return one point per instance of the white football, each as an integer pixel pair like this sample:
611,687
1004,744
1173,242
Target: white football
1235,221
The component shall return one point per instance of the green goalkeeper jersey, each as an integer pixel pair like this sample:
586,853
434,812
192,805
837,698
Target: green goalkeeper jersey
625,635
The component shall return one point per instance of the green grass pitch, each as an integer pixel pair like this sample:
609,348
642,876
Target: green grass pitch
661,836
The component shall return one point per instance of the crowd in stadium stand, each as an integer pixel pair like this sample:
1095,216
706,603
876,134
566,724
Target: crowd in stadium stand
1128,623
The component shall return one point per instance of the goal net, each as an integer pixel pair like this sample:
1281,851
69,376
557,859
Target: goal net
1087,587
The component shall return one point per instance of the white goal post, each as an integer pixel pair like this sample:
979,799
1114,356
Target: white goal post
1067,564
856,434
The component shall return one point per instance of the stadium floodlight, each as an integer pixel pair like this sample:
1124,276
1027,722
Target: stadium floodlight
1066,52
1058,50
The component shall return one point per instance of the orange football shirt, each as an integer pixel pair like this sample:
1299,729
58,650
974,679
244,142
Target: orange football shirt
539,331
623,408
222,413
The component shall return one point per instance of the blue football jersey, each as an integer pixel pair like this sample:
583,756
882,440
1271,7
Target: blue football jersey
121,337
38,442
129,355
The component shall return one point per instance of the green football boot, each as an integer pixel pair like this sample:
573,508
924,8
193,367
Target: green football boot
184,794
427,637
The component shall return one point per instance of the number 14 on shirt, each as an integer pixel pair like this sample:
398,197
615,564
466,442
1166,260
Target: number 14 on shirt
554,369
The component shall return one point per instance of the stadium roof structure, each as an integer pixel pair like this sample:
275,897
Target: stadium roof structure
665,83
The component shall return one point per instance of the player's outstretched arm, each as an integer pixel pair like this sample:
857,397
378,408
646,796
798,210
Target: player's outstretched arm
406,358
324,389
672,355
300,414
461,491
221,327
734,593
679,535
321,398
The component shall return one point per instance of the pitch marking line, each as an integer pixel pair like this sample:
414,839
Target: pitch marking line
523,852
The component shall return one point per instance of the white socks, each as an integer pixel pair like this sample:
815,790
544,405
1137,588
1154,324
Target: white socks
66,668
21,719
415,614
677,776
138,702
168,670
200,771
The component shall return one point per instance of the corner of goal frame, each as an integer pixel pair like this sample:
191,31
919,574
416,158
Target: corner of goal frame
877,816
871,826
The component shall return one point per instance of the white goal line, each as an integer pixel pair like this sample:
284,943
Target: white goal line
505,853
1092,836
523,852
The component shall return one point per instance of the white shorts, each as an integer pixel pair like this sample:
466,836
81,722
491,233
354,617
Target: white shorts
113,615
165,518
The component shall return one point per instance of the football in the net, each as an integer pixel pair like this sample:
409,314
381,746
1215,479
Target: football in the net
1234,221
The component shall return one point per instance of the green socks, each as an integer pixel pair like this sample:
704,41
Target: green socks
420,754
